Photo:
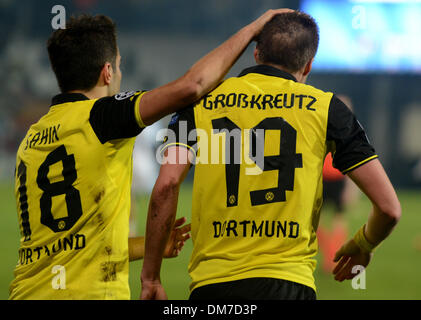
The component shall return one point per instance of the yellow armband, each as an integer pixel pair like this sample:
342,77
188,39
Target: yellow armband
137,110
362,241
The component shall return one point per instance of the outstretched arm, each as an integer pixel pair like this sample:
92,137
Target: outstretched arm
203,76
162,210
385,214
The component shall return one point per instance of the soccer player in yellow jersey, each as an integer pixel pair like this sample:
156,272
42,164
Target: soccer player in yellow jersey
258,142
74,166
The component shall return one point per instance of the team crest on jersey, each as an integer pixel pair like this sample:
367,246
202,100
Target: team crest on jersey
124,95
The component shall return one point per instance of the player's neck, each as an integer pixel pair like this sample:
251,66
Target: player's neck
298,75
96,92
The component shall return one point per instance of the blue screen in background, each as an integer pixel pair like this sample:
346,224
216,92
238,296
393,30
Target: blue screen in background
367,36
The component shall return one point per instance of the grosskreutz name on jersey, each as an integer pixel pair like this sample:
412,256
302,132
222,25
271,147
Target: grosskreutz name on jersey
259,101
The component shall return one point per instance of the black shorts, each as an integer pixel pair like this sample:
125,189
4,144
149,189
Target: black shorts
254,289
332,192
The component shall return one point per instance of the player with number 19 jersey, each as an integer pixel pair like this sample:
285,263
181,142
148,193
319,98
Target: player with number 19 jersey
260,143
73,179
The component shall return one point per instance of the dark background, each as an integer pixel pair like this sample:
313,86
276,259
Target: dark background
159,40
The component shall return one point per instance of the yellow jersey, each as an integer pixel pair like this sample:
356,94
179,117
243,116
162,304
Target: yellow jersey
73,179
260,141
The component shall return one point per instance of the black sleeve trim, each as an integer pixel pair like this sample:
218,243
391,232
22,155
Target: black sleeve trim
114,118
360,164
181,131
349,143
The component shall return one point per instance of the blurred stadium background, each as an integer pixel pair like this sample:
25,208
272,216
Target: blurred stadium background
370,51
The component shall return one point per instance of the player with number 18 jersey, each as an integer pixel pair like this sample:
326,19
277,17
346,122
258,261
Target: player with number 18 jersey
73,180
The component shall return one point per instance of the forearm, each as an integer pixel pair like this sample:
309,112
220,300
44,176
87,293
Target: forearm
203,76
378,226
386,212
212,68
136,248
162,211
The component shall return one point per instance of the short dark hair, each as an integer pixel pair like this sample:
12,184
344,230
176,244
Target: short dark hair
78,52
289,40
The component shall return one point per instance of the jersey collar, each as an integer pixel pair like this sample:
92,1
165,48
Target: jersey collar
268,71
68,97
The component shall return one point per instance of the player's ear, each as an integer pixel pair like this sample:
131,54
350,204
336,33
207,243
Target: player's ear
308,67
107,73
256,55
